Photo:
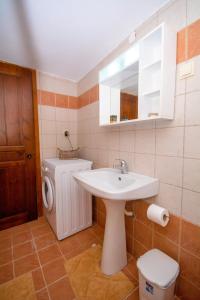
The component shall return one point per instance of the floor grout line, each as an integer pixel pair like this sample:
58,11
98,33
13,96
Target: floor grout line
41,269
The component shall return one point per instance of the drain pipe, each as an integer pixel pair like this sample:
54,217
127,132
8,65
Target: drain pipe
129,213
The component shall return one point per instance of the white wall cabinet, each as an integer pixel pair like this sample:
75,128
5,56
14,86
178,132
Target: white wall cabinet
156,77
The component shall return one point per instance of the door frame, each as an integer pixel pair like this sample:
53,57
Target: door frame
37,144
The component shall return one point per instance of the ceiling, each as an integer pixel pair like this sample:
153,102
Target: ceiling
67,38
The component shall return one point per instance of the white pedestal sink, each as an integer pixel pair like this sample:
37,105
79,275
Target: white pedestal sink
115,189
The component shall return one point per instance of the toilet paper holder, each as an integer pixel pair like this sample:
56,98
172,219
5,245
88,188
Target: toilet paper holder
158,214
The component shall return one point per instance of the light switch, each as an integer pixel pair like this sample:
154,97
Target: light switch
186,69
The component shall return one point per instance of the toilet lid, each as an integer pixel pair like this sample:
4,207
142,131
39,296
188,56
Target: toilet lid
158,268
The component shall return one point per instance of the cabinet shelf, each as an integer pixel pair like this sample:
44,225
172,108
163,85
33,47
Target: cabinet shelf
152,65
151,94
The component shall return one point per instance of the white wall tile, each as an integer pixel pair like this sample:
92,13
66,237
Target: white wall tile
192,83
178,114
113,141
180,83
169,141
192,109
61,114
191,175
48,127
169,169
145,141
49,153
144,164
192,142
127,141
191,206
170,197
48,141
47,113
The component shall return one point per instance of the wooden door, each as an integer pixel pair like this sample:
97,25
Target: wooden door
18,201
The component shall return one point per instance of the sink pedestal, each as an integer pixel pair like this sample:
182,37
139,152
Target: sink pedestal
114,256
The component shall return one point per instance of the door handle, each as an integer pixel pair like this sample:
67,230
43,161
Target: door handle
29,155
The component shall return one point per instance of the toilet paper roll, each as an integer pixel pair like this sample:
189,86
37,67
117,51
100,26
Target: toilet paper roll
158,214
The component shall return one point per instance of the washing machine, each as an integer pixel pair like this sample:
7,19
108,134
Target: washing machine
67,206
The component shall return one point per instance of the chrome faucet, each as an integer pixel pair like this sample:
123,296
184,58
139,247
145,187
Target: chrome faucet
122,166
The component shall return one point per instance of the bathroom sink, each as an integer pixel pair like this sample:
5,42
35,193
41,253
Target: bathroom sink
115,189
109,183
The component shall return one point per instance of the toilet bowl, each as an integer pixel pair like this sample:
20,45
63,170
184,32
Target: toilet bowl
157,275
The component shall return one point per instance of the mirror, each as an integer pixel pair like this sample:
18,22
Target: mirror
119,88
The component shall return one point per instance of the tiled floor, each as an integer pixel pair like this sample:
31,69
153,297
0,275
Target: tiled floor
33,247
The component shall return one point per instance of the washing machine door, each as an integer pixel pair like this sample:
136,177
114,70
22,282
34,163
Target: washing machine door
47,193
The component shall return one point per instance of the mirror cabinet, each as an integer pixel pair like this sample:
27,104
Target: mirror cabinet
139,85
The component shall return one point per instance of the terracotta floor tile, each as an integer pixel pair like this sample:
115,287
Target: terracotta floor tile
172,230
190,238
187,291
38,280
134,295
132,268
85,236
48,254
69,244
20,228
42,295
138,249
5,243
54,270
73,253
41,230
143,234
98,231
45,241
40,221
165,245
26,264
23,250
140,208
6,273
61,290
5,256
190,267
21,237
5,234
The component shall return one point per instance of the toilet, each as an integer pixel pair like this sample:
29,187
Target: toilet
157,275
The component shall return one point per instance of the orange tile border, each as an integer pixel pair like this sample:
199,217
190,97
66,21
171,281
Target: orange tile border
194,39
190,238
57,100
172,230
73,102
61,101
190,267
181,46
47,98
186,290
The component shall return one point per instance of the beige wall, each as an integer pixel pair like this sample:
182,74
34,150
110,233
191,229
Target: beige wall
174,14
169,150
52,83
54,120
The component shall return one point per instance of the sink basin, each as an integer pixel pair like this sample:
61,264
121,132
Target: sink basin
110,184
115,189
